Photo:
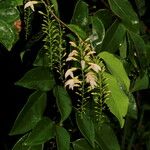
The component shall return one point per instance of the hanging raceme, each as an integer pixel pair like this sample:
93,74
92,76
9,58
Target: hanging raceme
85,76
101,92
27,22
28,16
53,41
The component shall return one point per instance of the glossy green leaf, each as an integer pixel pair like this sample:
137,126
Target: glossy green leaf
19,145
42,59
10,15
7,3
118,101
82,144
39,78
123,49
123,9
31,113
7,36
140,49
77,31
105,16
114,36
86,127
63,102
116,68
80,15
141,83
55,4
106,138
132,109
98,33
62,138
19,2
42,132
131,54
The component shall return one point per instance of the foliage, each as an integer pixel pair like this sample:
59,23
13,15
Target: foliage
92,68
10,23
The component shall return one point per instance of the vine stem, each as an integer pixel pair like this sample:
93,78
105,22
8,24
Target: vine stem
60,21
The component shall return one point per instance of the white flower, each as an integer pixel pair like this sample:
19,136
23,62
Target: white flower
73,44
91,53
69,72
73,53
74,82
30,4
71,58
91,79
95,67
82,64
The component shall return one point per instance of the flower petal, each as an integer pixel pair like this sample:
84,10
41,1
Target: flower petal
95,67
73,44
30,4
69,72
74,82
71,59
82,64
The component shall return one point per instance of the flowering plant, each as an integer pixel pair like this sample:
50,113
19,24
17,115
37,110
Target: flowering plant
84,76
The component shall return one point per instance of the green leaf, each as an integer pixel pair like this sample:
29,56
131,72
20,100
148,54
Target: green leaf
78,31
80,15
39,78
7,3
42,59
42,132
131,55
116,68
124,10
105,16
118,101
31,113
86,127
123,49
132,109
140,48
141,83
113,38
15,3
19,2
82,144
62,138
63,102
19,145
7,36
98,33
8,16
106,138
55,4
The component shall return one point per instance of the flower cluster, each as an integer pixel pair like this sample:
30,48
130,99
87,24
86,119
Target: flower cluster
86,76
83,54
